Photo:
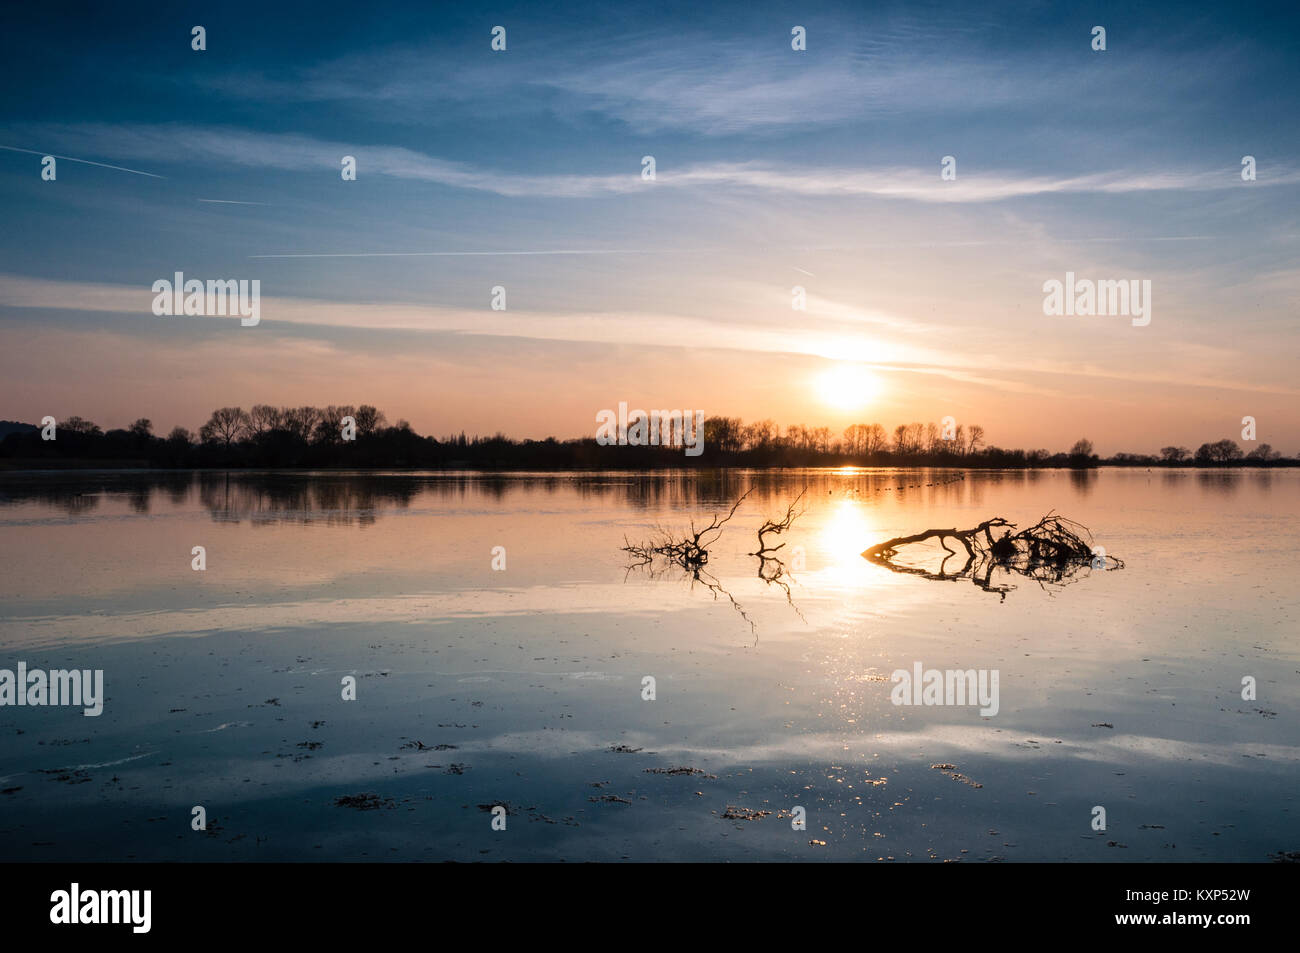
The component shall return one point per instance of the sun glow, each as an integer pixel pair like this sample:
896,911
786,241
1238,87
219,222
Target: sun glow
848,386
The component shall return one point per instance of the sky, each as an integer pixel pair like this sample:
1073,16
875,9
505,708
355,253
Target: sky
774,168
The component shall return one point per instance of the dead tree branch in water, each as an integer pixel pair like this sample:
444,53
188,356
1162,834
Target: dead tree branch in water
687,551
775,528
668,553
771,569
1051,552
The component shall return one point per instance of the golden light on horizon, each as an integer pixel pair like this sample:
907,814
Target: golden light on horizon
848,386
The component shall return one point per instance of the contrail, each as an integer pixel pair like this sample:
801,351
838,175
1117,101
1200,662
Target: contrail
102,165
232,202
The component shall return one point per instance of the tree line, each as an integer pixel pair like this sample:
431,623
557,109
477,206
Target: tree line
361,436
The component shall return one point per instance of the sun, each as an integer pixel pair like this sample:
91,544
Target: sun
848,386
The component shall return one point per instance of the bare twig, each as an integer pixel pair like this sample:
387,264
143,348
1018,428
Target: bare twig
776,528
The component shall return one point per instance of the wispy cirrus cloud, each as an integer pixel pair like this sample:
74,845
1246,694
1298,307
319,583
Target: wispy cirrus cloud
834,331
178,143
710,85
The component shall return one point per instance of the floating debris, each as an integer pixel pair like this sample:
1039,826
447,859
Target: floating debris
680,771
952,772
733,813
364,802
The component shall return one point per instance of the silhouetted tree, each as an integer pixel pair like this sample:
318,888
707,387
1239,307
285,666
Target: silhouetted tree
75,424
226,426
1263,453
369,419
1222,451
300,421
264,418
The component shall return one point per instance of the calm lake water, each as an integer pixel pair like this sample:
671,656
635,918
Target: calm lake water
523,686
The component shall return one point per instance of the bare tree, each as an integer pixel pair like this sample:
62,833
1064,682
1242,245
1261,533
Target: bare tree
263,418
724,434
369,419
876,439
226,426
300,421
75,424
1222,451
329,428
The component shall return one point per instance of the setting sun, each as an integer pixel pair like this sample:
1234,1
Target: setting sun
847,386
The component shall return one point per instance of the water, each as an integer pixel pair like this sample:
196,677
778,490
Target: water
522,687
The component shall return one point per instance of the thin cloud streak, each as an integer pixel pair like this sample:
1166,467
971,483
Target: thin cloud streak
297,153
830,343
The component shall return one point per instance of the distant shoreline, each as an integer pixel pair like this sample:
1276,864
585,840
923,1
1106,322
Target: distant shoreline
15,467
358,438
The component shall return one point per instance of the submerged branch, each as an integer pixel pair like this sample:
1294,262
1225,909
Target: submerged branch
688,553
686,550
1051,552
776,528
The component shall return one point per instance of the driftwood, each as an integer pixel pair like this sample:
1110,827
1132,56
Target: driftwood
689,551
1051,552
777,527
667,552
771,569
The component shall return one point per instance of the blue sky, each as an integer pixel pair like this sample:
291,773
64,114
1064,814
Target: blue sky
774,168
